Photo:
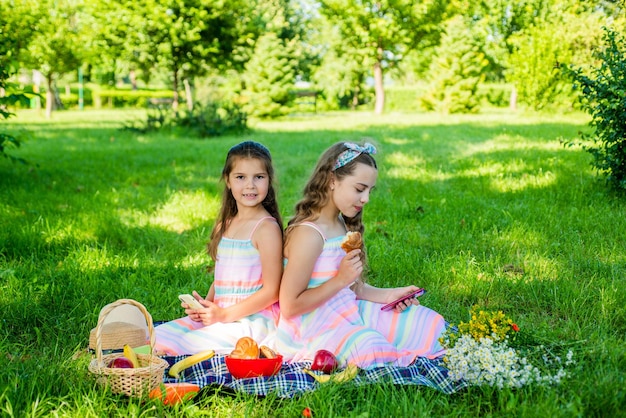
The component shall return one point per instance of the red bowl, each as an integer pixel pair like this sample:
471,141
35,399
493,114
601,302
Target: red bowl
244,368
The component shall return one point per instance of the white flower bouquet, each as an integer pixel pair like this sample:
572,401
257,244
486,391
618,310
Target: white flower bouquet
479,352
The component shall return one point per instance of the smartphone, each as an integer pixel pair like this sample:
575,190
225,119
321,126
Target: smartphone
414,294
190,301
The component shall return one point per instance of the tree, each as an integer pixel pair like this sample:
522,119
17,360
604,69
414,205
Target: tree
341,74
113,42
57,44
456,71
386,29
269,77
185,37
540,49
526,40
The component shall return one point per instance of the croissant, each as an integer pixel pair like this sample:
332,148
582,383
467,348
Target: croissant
246,348
352,241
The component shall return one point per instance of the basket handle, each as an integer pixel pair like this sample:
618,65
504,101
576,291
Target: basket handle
107,310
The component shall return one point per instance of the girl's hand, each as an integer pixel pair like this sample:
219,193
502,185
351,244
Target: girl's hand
398,292
209,315
402,306
350,268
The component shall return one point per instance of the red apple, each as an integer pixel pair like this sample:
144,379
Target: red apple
121,363
324,361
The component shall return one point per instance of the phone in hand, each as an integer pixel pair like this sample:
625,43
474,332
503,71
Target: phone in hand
417,293
190,301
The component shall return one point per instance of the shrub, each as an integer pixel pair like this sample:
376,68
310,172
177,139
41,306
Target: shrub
205,120
214,119
404,98
604,97
128,98
495,94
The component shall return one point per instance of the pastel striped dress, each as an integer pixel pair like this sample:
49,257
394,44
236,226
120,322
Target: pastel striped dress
237,276
357,331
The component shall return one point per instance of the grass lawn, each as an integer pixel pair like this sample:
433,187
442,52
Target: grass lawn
488,210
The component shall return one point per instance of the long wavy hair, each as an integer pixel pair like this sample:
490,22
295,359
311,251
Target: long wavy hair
243,150
316,192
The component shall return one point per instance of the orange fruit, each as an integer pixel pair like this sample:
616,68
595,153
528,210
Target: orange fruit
173,393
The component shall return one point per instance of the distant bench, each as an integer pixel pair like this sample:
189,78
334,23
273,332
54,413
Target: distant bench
160,102
303,97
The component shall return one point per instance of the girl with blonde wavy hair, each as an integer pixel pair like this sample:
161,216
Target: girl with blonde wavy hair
324,301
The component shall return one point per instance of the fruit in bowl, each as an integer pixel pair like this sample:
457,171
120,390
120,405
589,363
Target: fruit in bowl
250,360
246,368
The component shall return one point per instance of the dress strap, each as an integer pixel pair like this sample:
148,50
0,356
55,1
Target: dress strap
317,228
259,223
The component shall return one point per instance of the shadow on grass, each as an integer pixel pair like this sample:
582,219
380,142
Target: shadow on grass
485,195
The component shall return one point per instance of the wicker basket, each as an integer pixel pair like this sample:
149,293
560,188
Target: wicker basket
115,335
135,382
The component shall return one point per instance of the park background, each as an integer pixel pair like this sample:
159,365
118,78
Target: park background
486,196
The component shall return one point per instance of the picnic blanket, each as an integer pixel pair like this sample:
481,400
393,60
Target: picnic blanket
292,381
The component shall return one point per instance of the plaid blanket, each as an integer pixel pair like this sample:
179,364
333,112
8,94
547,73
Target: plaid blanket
292,381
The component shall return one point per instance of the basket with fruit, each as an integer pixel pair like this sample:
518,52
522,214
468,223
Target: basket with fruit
128,372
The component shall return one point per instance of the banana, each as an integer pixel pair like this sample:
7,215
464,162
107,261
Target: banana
346,374
320,378
343,376
130,354
187,362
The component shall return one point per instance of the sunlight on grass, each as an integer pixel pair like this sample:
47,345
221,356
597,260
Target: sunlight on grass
63,232
398,141
517,173
487,210
186,210
512,176
194,260
514,184
96,259
404,166
509,143
183,211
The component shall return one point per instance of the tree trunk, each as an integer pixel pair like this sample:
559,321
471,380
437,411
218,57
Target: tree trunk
513,100
49,96
176,97
355,97
188,94
132,75
378,84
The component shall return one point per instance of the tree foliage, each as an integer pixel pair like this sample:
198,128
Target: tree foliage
16,30
184,38
340,74
57,44
541,48
269,77
383,32
456,72
341,45
604,97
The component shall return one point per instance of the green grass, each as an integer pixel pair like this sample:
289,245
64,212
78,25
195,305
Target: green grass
487,209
